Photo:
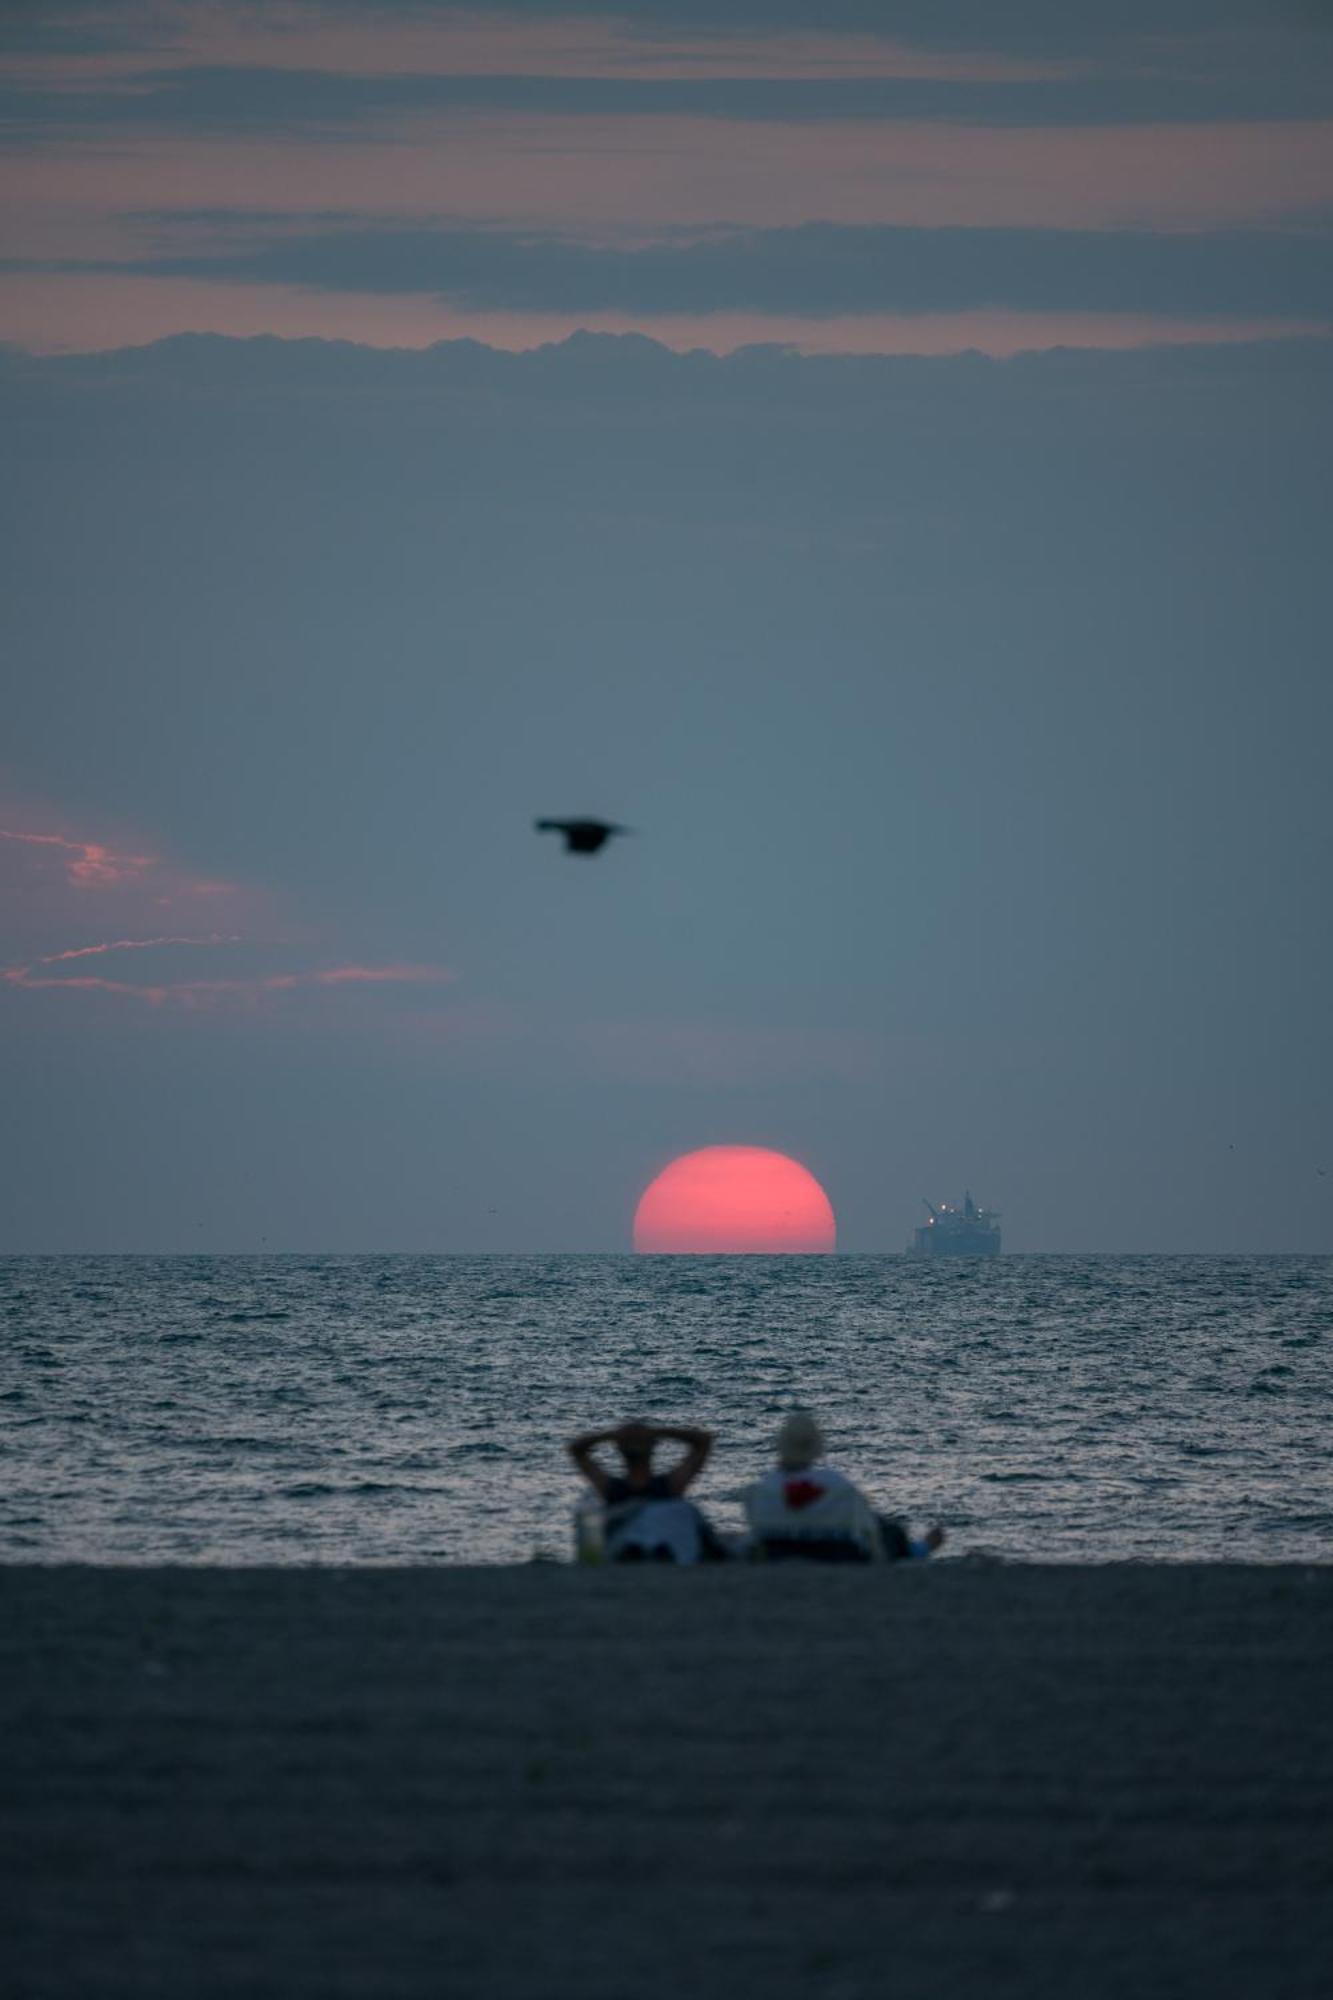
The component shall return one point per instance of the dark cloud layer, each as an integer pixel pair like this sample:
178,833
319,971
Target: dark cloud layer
536,160
1176,63
90,26
253,100
818,269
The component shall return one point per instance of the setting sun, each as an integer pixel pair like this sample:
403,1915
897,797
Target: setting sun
725,1199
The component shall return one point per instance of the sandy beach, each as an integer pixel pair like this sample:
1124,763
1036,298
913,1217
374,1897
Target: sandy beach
960,1780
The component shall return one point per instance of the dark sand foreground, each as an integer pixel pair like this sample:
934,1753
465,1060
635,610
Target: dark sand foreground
955,1781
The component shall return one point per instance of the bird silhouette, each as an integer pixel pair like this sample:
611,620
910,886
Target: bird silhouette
582,836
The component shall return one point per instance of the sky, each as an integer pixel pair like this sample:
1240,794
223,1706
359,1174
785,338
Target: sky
876,452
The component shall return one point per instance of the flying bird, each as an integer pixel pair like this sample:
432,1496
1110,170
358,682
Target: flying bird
582,836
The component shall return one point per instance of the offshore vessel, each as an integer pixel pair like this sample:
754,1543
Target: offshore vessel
968,1231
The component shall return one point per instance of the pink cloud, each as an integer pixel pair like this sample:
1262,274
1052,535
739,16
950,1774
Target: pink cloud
22,976
197,993
602,176
486,41
90,864
595,172
32,978
51,880
383,975
56,883
130,944
97,865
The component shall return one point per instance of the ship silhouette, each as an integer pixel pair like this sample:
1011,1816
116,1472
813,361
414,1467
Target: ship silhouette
968,1231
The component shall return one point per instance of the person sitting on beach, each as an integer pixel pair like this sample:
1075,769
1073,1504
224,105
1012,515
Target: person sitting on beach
805,1509
646,1515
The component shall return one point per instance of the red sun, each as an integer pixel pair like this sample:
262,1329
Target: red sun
734,1198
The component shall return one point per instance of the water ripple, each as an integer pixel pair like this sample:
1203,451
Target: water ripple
408,1409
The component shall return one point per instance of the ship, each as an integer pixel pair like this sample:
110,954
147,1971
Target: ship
968,1231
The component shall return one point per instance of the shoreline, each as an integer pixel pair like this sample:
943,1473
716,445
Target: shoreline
965,1777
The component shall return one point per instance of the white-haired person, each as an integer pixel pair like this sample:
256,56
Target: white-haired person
806,1510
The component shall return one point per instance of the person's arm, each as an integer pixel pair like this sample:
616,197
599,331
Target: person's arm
581,1449
697,1444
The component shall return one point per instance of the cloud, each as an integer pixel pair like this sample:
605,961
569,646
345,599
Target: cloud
88,864
130,944
817,270
73,315
69,26
617,174
817,287
241,67
242,101
404,174
96,875
53,877
53,883
34,977
382,975
197,993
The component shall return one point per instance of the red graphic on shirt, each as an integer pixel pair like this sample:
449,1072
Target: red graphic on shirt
802,1493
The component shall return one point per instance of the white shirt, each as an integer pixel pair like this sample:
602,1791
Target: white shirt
654,1524
812,1503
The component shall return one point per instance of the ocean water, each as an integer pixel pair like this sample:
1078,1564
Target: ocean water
414,1409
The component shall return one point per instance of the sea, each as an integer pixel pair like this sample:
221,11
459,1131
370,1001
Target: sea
415,1409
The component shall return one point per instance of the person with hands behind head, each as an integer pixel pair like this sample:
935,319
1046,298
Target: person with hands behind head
646,1514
